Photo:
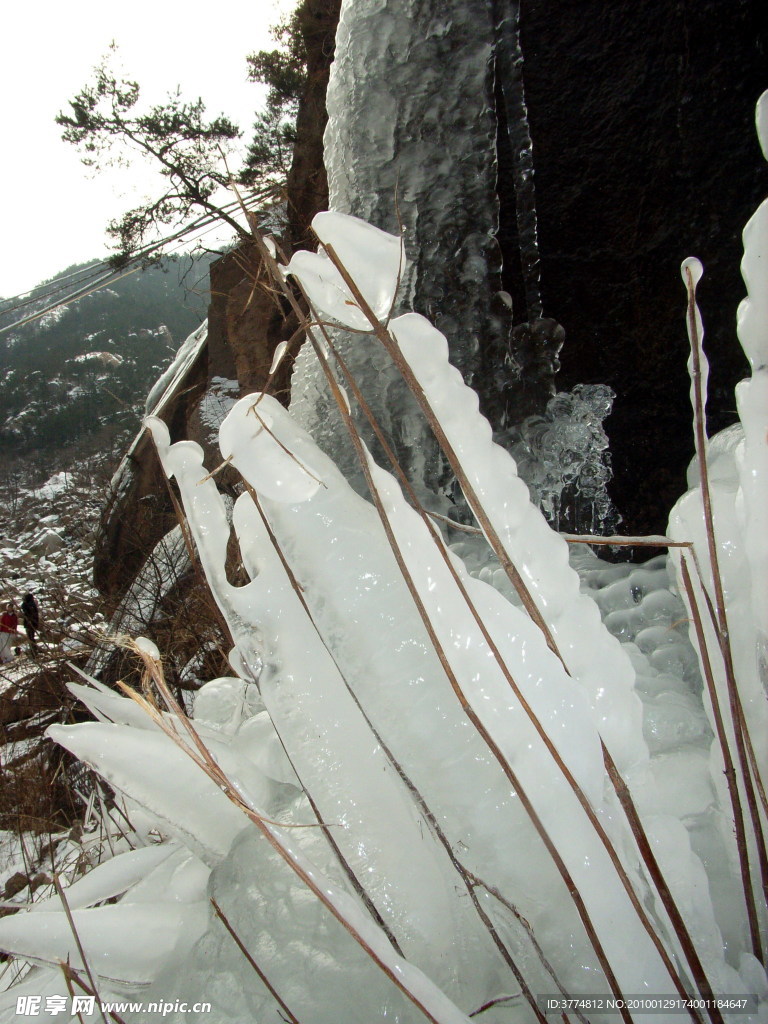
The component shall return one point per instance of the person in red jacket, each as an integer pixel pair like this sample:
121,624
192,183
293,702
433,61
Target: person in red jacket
9,622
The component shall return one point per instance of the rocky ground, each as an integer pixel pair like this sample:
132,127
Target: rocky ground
46,543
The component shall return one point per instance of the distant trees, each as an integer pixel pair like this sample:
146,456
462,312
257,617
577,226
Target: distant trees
50,396
104,118
176,136
284,71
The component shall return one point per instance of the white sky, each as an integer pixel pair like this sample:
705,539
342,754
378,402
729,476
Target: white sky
54,210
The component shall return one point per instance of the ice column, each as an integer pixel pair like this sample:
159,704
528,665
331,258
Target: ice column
411,133
752,401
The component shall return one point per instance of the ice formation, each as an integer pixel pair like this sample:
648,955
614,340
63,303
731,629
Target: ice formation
733,567
410,809
426,169
401,146
563,457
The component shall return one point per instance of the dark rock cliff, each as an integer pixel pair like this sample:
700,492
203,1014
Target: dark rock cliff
644,150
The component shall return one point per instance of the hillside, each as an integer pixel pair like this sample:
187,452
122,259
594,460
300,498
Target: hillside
77,376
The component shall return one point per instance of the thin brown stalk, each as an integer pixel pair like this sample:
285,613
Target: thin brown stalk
107,829
72,976
297,335
754,766
478,882
498,1001
265,980
78,943
725,750
66,970
648,541
215,472
749,748
738,719
287,451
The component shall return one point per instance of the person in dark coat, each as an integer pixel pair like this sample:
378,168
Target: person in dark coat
30,614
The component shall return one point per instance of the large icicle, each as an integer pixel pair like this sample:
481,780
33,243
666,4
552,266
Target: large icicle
411,137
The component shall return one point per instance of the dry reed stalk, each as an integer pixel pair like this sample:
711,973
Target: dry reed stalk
738,719
512,909
78,943
648,541
265,980
288,452
66,970
755,769
72,976
720,730
498,1001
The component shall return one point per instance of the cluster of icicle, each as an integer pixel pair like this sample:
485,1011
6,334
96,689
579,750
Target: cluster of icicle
562,456
419,807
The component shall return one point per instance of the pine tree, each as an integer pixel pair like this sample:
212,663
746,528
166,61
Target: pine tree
175,135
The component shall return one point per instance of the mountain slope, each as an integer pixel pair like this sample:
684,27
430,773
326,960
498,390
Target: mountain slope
78,374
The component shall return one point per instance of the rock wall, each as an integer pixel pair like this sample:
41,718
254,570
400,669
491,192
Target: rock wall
641,118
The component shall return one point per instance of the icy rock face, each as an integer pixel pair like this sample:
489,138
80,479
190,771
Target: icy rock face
410,127
411,144
411,134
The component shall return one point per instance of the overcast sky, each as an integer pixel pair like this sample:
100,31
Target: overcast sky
54,211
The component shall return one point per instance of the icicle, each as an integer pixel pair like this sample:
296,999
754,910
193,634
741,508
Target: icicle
509,63
752,402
